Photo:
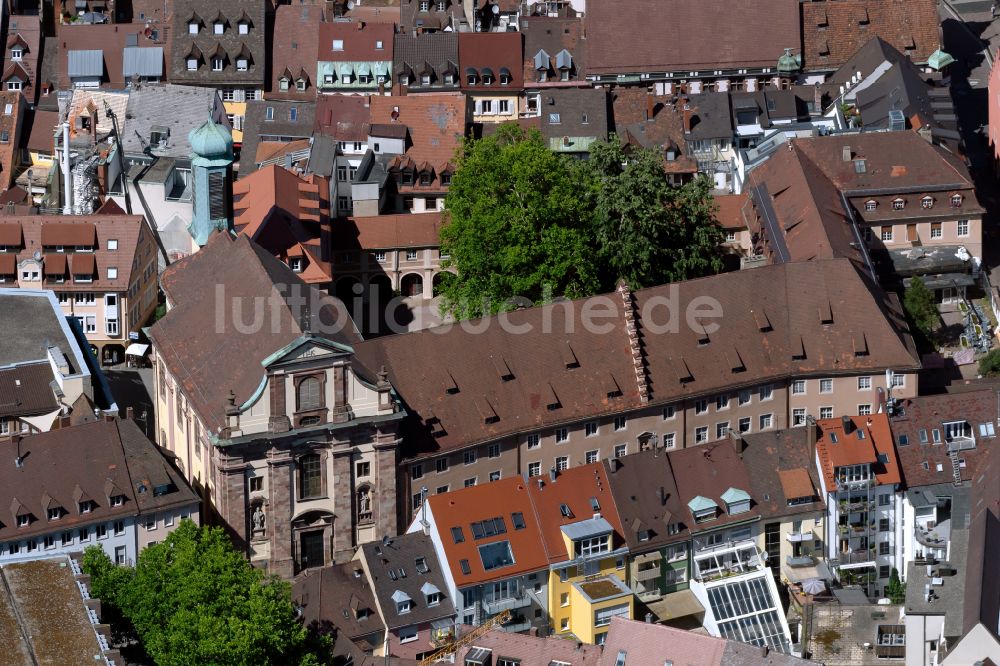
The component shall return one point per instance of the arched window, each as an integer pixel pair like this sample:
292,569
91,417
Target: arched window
309,394
310,476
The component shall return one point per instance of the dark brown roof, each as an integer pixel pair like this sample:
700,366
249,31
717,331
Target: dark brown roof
386,232
709,470
496,51
410,16
209,362
552,35
928,413
333,596
669,35
781,468
343,117
567,375
93,461
10,234
25,390
26,31
982,585
438,52
294,48
647,499
833,31
10,134
400,554
43,124
54,264
8,264
110,39
57,233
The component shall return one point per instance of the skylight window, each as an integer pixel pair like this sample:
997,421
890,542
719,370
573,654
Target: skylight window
496,555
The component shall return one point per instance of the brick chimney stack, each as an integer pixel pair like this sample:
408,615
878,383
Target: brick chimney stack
687,118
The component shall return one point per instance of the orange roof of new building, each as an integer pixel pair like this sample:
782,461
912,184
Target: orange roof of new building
796,483
499,499
437,123
575,488
869,441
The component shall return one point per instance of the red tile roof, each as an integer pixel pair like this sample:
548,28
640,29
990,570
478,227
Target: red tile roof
495,50
386,232
490,500
437,123
574,488
833,30
731,210
670,35
870,438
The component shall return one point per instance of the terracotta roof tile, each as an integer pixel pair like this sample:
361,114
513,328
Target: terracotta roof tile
832,31
437,123
385,232
359,39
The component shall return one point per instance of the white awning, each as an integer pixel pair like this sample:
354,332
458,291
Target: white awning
137,349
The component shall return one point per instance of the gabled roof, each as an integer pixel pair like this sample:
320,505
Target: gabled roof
493,51
705,473
395,577
387,232
457,510
360,42
869,442
550,36
338,595
294,46
678,366
208,362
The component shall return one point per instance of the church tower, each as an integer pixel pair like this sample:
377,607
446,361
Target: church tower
211,176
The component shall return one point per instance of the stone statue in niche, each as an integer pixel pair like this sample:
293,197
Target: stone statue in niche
364,502
258,519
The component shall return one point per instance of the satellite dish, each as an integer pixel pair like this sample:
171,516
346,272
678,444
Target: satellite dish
37,255
350,5
496,9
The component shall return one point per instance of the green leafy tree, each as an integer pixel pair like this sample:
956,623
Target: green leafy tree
518,226
193,599
919,303
896,590
989,365
648,231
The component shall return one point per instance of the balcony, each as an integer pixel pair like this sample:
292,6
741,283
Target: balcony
845,484
733,561
797,561
800,537
961,444
651,573
510,603
854,506
859,556
517,627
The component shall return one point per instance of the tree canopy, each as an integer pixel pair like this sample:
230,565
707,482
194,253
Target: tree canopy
517,225
193,599
918,301
528,224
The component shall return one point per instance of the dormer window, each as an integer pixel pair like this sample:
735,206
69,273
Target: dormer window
449,79
871,205
217,64
487,77
242,64
404,80
442,5
737,501
703,509
956,200
425,79
117,500
425,178
86,506
927,202
898,204
244,27
23,520
192,64
283,83
471,76
300,85
402,600
593,546
504,78
193,27
564,75
219,27
425,5
16,53
55,513
295,263
338,45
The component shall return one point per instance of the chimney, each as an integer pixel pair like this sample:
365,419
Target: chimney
811,428
649,618
764,649
662,495
18,459
687,118
553,474
650,107
129,414
613,464
817,99
847,153
848,424
738,443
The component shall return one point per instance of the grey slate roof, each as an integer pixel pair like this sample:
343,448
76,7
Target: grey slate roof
256,128
207,43
142,61
399,557
189,107
86,63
